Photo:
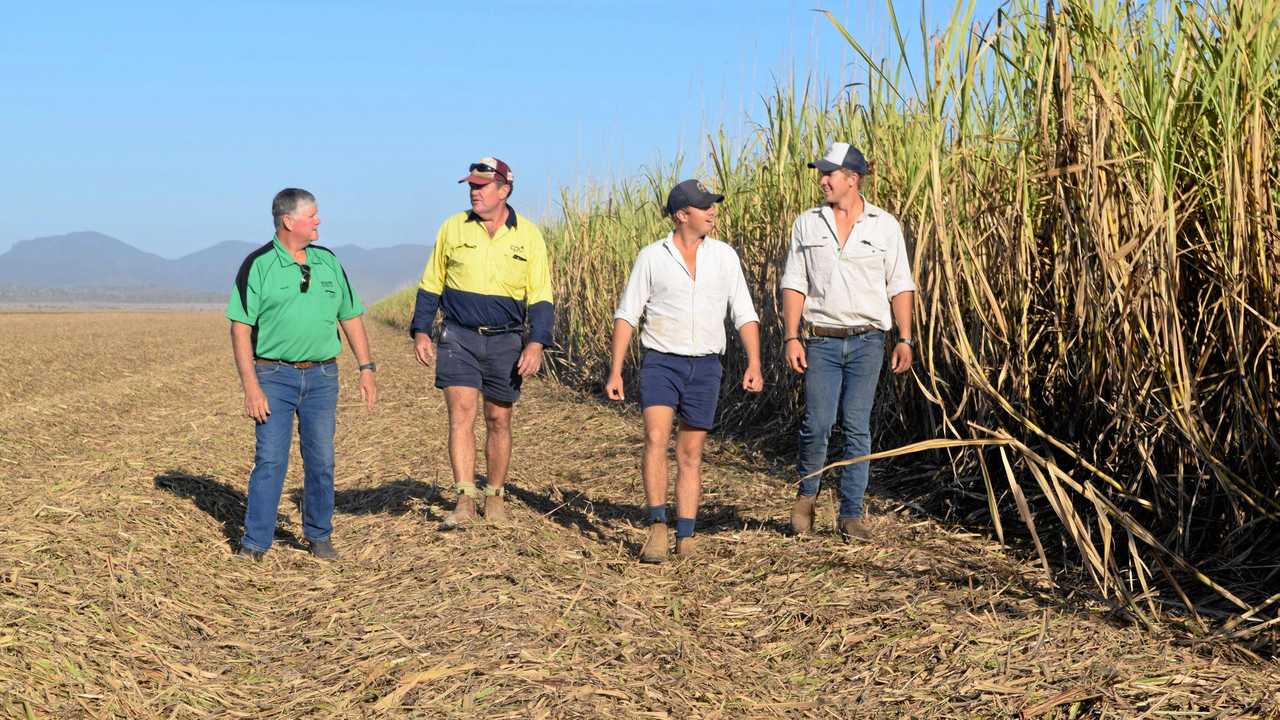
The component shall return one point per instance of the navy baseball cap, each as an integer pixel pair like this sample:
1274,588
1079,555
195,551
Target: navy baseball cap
842,155
690,193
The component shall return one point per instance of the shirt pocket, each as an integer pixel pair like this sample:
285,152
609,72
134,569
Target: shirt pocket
515,271
461,257
865,262
715,293
819,261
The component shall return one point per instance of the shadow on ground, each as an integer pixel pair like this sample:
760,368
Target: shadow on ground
219,501
397,497
602,519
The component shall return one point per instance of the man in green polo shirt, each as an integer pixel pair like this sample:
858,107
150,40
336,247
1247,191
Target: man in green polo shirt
289,299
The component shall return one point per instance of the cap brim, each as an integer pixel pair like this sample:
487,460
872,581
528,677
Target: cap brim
824,165
477,179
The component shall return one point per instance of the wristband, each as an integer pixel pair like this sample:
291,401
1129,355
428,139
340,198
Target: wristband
787,340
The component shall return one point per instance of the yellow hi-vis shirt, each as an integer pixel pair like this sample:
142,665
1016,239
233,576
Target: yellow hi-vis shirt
502,281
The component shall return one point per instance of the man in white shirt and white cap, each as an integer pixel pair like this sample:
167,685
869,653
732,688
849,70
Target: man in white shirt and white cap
682,286
848,277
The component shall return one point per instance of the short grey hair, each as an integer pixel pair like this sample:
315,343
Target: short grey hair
286,202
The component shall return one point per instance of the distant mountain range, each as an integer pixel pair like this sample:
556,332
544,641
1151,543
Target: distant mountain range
93,266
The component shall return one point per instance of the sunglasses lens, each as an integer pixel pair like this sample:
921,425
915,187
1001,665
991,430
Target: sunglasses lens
482,167
305,283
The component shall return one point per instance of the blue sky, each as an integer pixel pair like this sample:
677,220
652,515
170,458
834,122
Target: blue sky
170,126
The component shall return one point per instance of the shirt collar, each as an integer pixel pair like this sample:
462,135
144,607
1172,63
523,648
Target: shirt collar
283,256
511,217
669,242
868,210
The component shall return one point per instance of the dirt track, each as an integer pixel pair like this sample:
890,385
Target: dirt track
123,460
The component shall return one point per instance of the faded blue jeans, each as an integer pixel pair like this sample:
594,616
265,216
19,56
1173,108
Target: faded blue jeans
311,395
840,382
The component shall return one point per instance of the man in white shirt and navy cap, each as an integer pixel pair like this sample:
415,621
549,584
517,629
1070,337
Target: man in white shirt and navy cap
848,277
682,286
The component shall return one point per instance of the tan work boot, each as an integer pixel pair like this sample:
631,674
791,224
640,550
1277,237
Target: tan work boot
686,547
464,513
854,529
495,508
655,546
802,514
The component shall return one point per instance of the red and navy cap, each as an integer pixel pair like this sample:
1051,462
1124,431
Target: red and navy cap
486,170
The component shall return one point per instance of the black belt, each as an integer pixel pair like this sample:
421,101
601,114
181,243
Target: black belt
840,332
489,330
301,365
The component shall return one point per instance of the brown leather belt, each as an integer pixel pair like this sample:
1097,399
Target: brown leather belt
840,332
300,365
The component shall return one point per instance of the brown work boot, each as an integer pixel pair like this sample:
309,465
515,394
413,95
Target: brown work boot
495,509
686,547
655,546
853,529
802,514
464,513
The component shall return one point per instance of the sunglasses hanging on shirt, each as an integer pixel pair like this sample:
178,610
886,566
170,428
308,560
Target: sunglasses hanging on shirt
305,283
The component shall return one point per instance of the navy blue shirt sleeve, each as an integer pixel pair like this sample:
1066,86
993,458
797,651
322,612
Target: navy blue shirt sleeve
424,312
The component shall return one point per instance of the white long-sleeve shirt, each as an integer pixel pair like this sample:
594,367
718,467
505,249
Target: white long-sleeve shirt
683,315
853,286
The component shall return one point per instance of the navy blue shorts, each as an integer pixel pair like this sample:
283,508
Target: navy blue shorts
465,358
691,385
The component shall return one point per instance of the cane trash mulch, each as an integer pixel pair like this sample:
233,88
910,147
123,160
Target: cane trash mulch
124,459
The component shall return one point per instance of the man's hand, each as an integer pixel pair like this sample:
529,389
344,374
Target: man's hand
255,404
530,359
613,387
752,380
423,348
795,355
368,389
901,358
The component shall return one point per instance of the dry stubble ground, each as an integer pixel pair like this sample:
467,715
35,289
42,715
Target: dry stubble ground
123,462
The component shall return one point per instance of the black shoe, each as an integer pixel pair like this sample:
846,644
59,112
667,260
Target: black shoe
323,550
254,555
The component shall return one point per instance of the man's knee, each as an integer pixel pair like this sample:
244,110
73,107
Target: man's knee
462,416
497,418
656,436
688,458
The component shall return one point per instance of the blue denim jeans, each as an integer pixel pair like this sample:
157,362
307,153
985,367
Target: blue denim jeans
311,395
840,381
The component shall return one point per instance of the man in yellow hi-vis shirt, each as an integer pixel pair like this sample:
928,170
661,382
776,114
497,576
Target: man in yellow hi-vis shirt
489,274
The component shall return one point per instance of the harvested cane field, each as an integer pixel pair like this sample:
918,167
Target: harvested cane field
124,460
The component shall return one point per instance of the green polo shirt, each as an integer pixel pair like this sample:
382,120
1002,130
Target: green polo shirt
289,324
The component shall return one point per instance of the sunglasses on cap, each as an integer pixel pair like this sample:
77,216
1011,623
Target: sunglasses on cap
482,167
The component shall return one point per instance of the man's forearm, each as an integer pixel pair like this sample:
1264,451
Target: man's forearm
356,338
622,332
902,305
242,349
750,334
792,309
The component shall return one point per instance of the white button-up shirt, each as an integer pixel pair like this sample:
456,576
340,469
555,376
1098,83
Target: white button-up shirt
853,286
684,315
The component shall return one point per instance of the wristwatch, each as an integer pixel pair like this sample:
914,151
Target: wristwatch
908,341
369,366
